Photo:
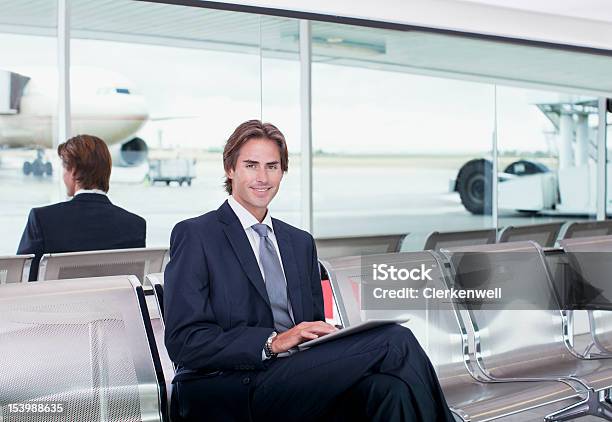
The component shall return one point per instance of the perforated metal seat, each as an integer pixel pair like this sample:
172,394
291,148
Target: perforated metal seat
138,262
333,247
438,240
445,339
15,269
81,342
524,336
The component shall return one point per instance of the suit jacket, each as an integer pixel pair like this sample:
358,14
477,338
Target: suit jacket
87,222
217,312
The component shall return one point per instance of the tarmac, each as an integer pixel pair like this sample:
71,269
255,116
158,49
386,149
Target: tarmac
351,196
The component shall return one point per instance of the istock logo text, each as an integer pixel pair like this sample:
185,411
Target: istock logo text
384,272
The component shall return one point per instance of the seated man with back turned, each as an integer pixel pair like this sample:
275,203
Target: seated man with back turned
243,289
89,221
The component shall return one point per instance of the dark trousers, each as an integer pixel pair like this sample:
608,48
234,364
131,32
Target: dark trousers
377,397
377,375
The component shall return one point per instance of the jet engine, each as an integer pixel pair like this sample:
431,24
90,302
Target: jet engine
130,153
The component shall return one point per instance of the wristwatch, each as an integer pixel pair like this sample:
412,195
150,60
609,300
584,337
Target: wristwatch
268,346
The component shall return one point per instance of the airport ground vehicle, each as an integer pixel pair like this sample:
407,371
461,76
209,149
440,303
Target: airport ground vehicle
530,186
181,170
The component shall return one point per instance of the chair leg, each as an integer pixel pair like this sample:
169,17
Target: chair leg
590,406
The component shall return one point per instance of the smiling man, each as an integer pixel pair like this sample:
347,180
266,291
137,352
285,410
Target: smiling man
243,289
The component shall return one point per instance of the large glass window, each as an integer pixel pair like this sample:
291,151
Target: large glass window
189,87
547,149
403,122
401,117
388,145
28,115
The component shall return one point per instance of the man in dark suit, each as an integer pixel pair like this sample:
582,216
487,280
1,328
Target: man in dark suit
89,221
242,290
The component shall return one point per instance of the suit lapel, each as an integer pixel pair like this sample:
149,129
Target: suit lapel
291,271
242,248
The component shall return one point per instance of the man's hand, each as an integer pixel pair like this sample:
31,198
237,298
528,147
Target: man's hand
302,332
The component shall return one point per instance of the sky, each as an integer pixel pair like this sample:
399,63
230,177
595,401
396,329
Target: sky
202,95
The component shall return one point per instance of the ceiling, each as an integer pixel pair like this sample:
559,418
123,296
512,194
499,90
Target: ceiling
402,51
597,10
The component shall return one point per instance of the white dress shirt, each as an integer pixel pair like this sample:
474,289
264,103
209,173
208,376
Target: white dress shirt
98,191
247,220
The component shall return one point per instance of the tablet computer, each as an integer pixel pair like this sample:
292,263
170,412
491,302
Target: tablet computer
357,328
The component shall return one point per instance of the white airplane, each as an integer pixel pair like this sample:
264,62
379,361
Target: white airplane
104,104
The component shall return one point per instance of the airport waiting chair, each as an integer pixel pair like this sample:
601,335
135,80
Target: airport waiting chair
543,234
565,284
156,281
438,240
330,306
80,343
15,269
523,336
333,247
586,229
443,336
137,261
590,259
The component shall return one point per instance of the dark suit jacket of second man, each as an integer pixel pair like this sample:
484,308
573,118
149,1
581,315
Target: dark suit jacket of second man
87,222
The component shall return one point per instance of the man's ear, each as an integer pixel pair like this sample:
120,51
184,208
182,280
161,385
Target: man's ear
229,173
73,175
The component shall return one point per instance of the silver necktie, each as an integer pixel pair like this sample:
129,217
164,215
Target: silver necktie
275,280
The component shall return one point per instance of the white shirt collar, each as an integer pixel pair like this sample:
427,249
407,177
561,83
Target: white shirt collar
246,218
98,191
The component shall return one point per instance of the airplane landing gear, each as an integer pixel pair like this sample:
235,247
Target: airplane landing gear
38,167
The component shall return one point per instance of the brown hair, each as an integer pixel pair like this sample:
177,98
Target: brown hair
252,129
89,158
